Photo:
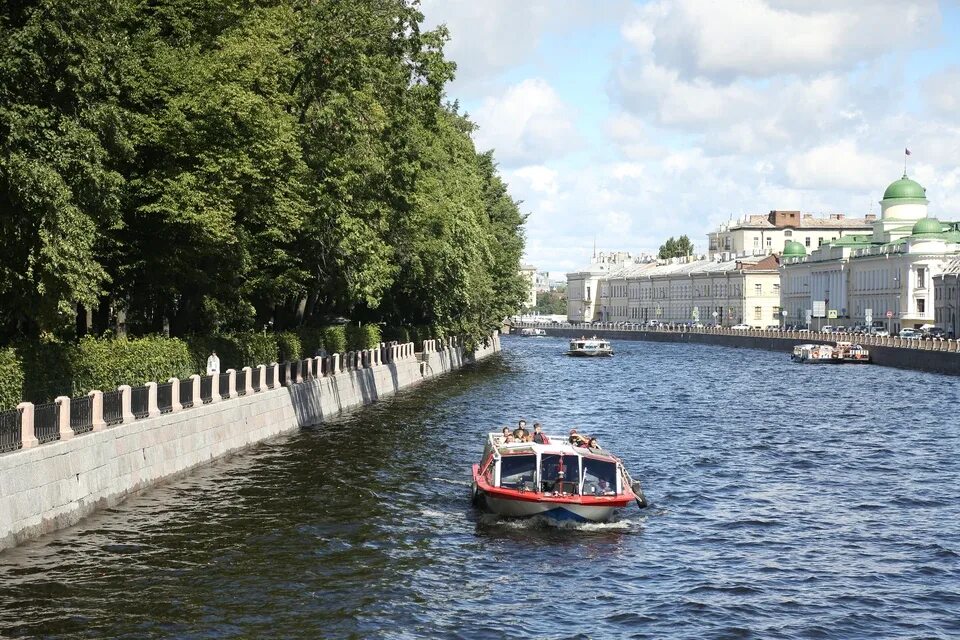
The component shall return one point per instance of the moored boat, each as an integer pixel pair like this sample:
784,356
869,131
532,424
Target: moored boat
555,480
590,347
841,353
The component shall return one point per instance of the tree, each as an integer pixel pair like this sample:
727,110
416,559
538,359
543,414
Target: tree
551,303
679,248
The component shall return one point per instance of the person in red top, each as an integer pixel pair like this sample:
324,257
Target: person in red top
538,436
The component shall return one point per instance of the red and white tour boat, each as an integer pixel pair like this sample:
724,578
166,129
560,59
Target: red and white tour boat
556,480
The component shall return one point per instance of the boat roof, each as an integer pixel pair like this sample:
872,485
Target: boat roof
559,445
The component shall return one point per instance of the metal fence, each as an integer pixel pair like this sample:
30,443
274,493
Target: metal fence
10,435
140,402
186,393
224,386
165,397
206,389
241,382
46,422
255,379
81,414
307,369
294,371
113,407
283,374
270,376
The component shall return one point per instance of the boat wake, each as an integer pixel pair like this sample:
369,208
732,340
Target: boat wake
459,483
542,522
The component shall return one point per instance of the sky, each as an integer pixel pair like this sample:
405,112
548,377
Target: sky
622,123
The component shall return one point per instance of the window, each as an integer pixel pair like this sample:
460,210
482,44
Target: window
756,242
776,313
788,233
769,242
921,277
807,241
819,242
758,313
599,477
758,288
921,305
550,477
776,287
517,471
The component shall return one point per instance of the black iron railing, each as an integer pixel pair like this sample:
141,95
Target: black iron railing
81,414
223,387
140,402
113,407
10,435
165,397
206,389
271,379
255,379
46,422
283,374
241,383
294,371
186,393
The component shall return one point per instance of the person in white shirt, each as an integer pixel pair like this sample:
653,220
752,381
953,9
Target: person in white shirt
213,364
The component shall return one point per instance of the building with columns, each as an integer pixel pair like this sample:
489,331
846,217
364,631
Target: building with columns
946,308
728,292
884,276
529,275
583,287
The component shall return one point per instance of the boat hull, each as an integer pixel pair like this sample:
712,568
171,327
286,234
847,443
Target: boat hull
557,511
589,354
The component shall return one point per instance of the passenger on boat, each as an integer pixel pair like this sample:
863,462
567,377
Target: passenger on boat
509,439
521,431
538,436
576,439
593,444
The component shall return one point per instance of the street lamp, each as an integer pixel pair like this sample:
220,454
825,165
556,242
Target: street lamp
783,325
715,319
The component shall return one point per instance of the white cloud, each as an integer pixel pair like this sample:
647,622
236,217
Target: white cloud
942,91
839,165
527,124
760,38
538,178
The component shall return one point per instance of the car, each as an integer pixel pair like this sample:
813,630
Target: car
827,328
934,333
909,334
740,327
773,327
880,333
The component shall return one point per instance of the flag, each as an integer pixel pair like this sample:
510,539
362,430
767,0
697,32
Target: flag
906,151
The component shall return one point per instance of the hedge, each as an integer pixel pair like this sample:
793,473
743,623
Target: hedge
335,339
290,346
396,334
11,379
235,350
365,336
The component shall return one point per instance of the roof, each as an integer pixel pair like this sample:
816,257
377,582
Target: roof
762,221
694,267
905,189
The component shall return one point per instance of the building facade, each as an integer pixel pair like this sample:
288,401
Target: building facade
680,290
760,235
583,286
529,275
883,277
946,286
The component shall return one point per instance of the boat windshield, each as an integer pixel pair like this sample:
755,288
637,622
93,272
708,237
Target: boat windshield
559,473
599,477
517,472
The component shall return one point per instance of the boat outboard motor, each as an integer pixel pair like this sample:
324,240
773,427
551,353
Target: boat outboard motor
638,492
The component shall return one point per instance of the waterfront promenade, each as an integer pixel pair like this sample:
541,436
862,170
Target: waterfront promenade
936,356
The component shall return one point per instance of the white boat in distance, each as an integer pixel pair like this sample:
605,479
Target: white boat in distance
842,353
530,332
589,347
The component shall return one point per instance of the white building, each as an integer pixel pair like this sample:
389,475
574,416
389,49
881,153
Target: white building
529,274
885,275
760,235
583,286
725,292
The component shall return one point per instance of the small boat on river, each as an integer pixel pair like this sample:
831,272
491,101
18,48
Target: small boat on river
590,347
555,480
841,353
530,332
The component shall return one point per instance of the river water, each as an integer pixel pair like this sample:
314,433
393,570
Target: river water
788,501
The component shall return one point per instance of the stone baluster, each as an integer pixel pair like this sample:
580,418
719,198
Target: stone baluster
152,409
246,380
96,410
125,398
63,417
28,438
175,405
195,383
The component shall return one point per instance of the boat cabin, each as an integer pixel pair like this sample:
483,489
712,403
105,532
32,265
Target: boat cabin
557,468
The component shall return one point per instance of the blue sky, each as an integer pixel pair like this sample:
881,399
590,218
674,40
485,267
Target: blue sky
630,122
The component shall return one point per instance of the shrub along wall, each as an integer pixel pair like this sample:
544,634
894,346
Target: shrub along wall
11,379
366,336
236,350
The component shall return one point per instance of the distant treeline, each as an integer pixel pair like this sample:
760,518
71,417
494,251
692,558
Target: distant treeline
221,165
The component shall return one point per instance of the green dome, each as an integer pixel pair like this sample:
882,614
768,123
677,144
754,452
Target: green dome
792,249
904,188
927,225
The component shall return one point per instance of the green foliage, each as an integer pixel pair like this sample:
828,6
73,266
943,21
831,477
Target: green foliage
398,334
418,334
236,350
52,369
11,379
551,303
675,248
219,167
335,339
311,339
290,346
365,336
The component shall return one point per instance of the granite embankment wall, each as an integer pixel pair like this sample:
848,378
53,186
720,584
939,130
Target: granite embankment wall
47,487
921,355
